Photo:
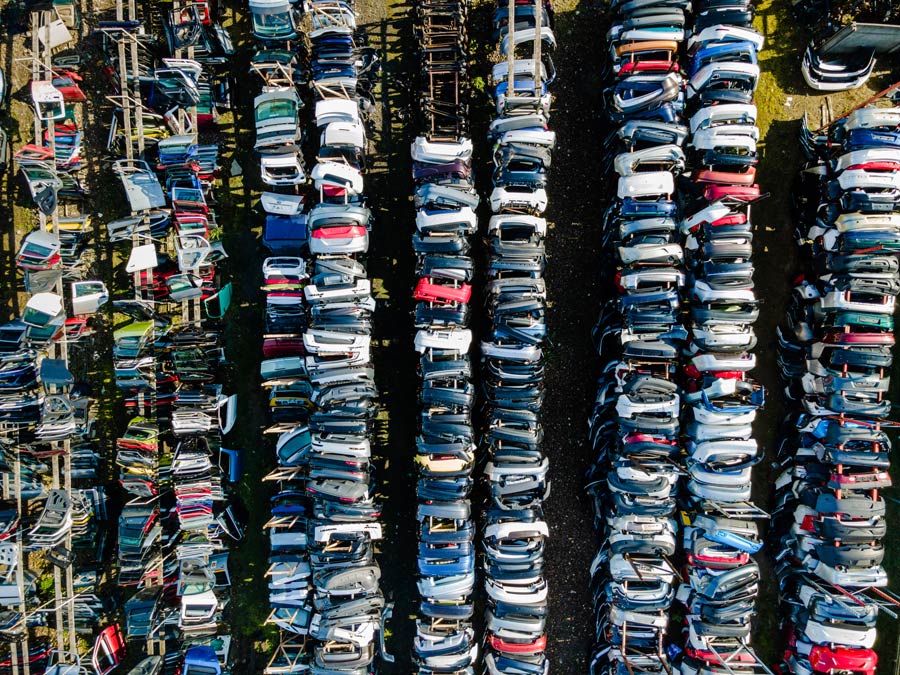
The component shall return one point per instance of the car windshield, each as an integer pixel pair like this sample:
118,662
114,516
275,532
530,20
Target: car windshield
274,109
177,284
274,24
194,586
201,611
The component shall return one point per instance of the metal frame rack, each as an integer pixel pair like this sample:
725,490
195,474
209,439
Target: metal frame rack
175,467
52,257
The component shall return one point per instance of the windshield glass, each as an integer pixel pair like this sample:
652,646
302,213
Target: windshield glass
275,109
276,23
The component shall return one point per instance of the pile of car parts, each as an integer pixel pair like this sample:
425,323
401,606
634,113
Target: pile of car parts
177,522
844,57
512,358
846,40
683,155
635,425
324,586
53,507
445,201
836,353
829,72
721,397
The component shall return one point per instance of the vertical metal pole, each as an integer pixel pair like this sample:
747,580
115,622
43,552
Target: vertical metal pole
57,350
511,49
124,89
35,68
536,52
20,577
135,71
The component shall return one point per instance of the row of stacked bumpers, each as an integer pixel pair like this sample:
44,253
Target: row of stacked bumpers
445,200
512,347
836,352
177,522
323,578
721,534
672,422
635,426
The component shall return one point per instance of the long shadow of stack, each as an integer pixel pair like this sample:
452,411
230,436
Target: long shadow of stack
244,329
14,19
391,264
575,296
777,261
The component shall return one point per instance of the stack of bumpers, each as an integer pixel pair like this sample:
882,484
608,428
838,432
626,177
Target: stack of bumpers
720,396
445,201
635,427
323,577
679,239
836,353
279,135
512,359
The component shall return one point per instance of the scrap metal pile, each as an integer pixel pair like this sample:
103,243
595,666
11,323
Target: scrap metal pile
511,355
720,394
53,512
675,581
323,578
177,523
672,423
847,39
836,352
